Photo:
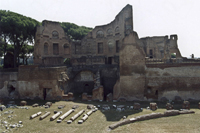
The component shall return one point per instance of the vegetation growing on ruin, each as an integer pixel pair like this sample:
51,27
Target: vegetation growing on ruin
74,31
18,30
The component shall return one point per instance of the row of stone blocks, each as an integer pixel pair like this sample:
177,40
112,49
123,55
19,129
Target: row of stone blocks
61,118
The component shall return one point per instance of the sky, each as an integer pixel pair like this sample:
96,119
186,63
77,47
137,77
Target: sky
150,17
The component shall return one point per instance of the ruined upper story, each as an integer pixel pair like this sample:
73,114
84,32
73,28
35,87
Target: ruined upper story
160,47
51,44
100,46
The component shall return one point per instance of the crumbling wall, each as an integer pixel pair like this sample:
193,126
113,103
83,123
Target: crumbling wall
132,70
8,85
37,82
102,44
160,47
173,81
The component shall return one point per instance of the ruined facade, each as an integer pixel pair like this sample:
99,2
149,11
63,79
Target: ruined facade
109,60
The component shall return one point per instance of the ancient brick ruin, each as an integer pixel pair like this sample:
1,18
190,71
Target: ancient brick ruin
110,60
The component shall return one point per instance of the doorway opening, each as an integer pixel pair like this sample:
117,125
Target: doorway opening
44,93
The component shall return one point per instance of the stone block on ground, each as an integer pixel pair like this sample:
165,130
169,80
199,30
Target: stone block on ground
48,104
169,106
61,106
2,107
89,97
84,97
171,112
109,97
136,106
75,107
35,105
98,93
186,105
153,106
70,96
90,106
23,103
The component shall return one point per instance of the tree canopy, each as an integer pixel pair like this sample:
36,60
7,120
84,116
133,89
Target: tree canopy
74,31
18,30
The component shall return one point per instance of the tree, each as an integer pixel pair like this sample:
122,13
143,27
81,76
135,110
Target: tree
18,30
26,52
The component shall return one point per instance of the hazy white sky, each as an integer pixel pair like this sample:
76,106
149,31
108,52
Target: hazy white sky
150,17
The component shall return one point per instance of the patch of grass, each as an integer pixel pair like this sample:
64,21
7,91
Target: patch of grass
99,121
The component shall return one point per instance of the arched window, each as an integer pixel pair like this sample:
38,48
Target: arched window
99,34
109,31
66,49
117,30
46,49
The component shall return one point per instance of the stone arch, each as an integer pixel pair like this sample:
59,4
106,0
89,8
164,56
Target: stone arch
117,29
46,47
55,34
109,31
84,82
66,49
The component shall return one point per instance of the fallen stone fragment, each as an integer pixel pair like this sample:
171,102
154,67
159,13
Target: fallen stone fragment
45,115
48,104
171,112
169,106
59,121
23,103
186,112
69,121
90,112
85,117
150,116
13,126
2,107
66,114
90,106
153,106
35,105
77,115
186,105
80,121
55,116
136,106
61,106
75,107
35,115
